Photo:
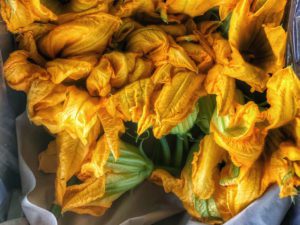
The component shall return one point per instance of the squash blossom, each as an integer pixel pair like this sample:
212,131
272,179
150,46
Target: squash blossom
102,178
254,38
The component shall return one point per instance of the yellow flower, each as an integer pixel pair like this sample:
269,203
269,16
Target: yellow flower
115,70
129,8
27,37
88,34
226,9
223,87
19,72
177,99
191,7
283,168
283,94
202,209
70,154
240,133
70,69
82,5
159,47
21,13
60,108
205,171
96,193
258,43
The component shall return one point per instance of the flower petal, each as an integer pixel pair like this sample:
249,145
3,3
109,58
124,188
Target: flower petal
283,95
88,34
205,167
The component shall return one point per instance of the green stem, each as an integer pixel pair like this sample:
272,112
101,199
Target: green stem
166,151
186,142
179,152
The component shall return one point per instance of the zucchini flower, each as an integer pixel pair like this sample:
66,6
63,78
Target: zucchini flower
283,168
129,8
159,47
19,72
88,34
115,70
205,171
283,95
60,108
21,13
27,37
223,87
205,210
240,133
96,193
82,5
177,99
71,69
189,7
258,43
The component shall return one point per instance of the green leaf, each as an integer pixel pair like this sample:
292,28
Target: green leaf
207,105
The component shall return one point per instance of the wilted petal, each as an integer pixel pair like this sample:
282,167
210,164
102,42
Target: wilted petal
256,51
160,47
88,34
226,9
283,95
280,169
80,114
70,69
27,37
203,60
248,188
112,127
45,104
222,86
94,167
82,194
71,153
21,13
115,70
19,72
191,7
81,5
127,27
60,108
205,167
239,134
176,100
129,8
132,103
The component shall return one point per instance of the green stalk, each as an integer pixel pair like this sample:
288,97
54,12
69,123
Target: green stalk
166,151
179,152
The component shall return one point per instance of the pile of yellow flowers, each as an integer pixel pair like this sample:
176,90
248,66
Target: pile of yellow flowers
172,67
